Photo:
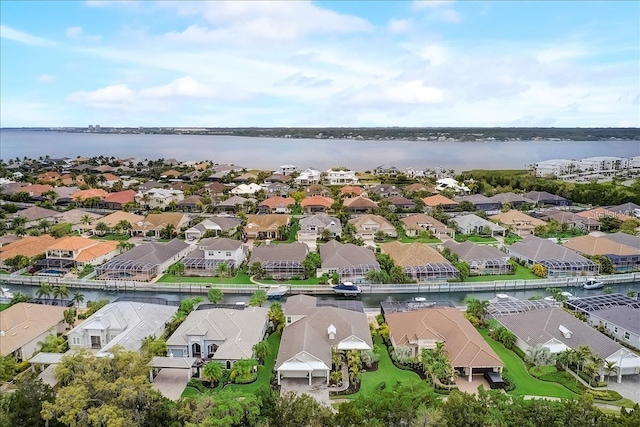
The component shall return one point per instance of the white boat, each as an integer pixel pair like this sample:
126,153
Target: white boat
567,295
502,297
592,283
347,289
420,299
276,291
5,294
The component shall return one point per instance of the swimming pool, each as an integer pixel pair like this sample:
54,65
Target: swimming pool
53,272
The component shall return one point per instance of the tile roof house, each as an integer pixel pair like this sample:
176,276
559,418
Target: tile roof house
312,333
121,323
384,190
80,251
316,203
350,262
49,177
571,219
235,204
519,222
628,209
513,199
415,224
350,190
143,262
317,190
29,246
75,216
92,193
623,257
154,223
368,225
625,239
118,199
481,202
401,202
313,225
281,261
220,334
558,330
418,187
473,224
599,213
24,325
34,214
214,225
277,204
205,260
482,259
559,261
159,198
543,198
438,199
359,204
265,226
422,329
111,221
192,203
419,261
246,189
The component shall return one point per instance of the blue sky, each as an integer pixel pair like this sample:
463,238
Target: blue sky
329,63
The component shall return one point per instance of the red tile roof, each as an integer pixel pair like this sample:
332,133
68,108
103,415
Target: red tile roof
317,201
121,197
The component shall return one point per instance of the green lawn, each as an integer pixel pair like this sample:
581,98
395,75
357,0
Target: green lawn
475,238
510,239
241,278
190,392
386,372
407,239
4,272
525,383
112,237
264,372
522,273
310,281
4,306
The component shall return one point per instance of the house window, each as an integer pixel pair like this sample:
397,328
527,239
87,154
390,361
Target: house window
75,340
615,329
289,319
627,336
228,253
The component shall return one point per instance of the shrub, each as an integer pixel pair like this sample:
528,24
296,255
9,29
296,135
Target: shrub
381,386
606,395
518,351
197,384
509,383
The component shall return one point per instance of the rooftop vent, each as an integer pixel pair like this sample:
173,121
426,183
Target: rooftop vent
331,330
566,332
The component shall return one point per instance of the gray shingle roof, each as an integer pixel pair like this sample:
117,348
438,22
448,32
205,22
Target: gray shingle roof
537,249
219,244
154,252
626,317
468,251
335,255
283,252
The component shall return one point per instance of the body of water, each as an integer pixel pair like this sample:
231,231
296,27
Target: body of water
270,153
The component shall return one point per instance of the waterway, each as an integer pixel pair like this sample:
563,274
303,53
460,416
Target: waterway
369,300
270,153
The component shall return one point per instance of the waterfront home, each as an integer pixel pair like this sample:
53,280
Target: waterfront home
463,345
81,196
287,169
420,262
153,224
29,246
543,198
558,330
431,202
359,204
123,323
221,335
339,176
415,224
158,198
514,200
25,325
314,225
450,183
33,215
473,224
571,219
368,225
118,199
384,190
517,222
350,262
623,257
210,253
316,203
481,202
277,178
482,259
628,209
270,226
214,225
281,261
276,205
112,221
246,189
559,261
235,204
312,333
386,170
143,262
308,177
75,252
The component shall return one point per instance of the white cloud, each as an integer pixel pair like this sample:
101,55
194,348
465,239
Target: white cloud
399,25
22,37
425,4
560,53
408,92
46,78
440,10
185,87
77,33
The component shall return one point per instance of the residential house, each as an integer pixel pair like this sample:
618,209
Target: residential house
340,176
398,203
277,189
270,226
438,199
314,225
281,261
359,204
559,261
542,198
112,221
246,189
287,169
483,260
82,196
317,190
143,262
312,333
172,173
50,177
418,188
123,323
481,202
235,204
514,200
33,215
420,262
214,225
108,179
308,177
627,209
118,199
214,189
65,194
558,330
624,257
368,225
76,251
386,170
350,262
600,213
384,190
221,335
625,239
245,178
465,348
277,205
351,190
210,253
473,224
75,217
158,198
415,224
25,325
450,183
571,219
316,203
192,203
29,246
277,178
517,222
153,224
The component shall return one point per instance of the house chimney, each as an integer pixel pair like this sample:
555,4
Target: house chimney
331,330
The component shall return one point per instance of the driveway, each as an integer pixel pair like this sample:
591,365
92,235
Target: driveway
472,387
171,382
629,387
318,388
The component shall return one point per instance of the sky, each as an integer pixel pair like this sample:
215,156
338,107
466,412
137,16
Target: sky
325,63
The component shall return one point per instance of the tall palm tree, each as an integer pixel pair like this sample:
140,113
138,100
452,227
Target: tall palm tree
77,298
241,370
258,298
86,219
124,246
63,292
261,350
222,269
44,291
610,368
215,295
213,372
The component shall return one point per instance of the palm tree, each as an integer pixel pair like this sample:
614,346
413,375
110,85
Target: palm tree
261,350
102,228
241,370
124,246
258,298
18,222
77,298
63,292
276,316
583,354
44,291
222,269
86,219
44,224
215,295
213,372
477,308
610,368
124,225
